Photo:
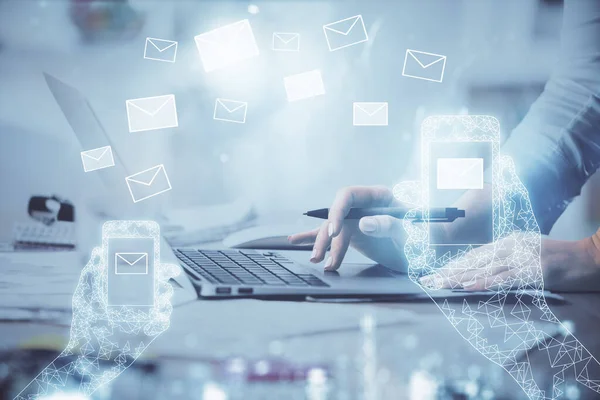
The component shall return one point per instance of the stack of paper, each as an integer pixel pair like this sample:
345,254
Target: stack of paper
38,285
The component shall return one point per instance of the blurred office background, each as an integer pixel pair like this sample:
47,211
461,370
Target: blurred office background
287,157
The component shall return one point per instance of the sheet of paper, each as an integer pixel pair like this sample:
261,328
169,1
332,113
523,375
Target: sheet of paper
44,280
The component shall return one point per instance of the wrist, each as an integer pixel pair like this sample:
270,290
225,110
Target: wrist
591,247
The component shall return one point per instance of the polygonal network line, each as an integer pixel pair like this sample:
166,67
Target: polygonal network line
516,251
105,341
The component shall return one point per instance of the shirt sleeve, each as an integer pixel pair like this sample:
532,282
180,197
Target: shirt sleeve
556,147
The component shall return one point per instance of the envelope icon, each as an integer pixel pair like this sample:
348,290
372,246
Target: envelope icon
160,50
230,111
304,85
131,263
460,173
286,41
99,158
148,183
149,113
345,32
422,65
370,114
226,45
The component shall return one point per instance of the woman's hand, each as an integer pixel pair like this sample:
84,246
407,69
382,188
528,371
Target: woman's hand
567,266
381,238
572,266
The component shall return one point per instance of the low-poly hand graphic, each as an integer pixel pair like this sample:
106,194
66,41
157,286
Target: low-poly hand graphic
104,341
503,331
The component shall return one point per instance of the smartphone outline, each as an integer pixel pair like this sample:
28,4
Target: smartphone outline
460,129
130,230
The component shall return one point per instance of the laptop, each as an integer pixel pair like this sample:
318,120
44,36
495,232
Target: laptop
222,273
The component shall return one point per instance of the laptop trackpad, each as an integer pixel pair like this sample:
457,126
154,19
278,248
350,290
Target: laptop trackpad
355,266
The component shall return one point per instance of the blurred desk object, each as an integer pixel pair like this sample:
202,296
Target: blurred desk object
52,226
35,236
201,224
105,20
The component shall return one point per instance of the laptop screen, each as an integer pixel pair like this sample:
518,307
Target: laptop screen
91,135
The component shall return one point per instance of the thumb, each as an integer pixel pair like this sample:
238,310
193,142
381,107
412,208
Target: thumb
381,226
408,192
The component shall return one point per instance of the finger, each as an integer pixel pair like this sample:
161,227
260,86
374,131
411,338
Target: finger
95,259
417,232
421,257
165,293
321,243
435,281
474,259
339,247
461,269
168,271
408,192
469,277
504,278
482,257
161,313
381,226
304,237
89,280
356,196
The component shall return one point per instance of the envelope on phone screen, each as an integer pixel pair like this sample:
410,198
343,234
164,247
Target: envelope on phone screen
131,263
148,183
460,173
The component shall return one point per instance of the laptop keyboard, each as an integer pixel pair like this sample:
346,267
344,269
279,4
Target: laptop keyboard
234,267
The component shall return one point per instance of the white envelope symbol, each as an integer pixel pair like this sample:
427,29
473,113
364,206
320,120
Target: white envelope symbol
370,114
345,32
460,173
283,41
226,45
131,263
160,50
422,65
149,113
230,110
99,158
304,85
148,183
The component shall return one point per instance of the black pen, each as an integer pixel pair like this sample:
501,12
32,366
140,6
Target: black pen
447,214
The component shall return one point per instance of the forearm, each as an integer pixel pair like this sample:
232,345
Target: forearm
572,265
556,148
79,369
58,377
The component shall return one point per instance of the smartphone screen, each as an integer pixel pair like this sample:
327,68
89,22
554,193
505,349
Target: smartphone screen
457,167
131,265
460,156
